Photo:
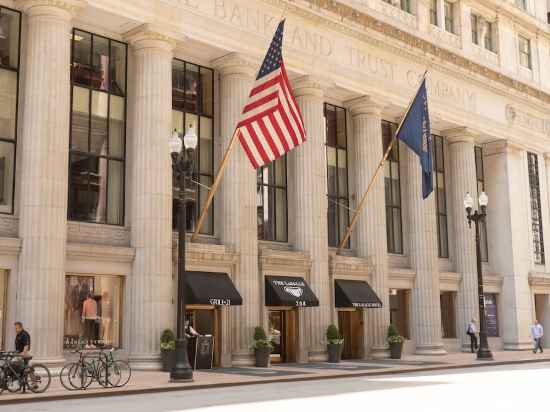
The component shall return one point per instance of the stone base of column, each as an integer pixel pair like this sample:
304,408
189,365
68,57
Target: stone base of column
517,345
243,359
145,362
379,352
226,360
430,350
317,356
54,364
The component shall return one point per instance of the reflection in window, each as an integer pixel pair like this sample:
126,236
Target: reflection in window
434,20
449,8
193,105
337,174
272,201
98,129
10,22
524,52
441,201
536,213
392,182
102,311
480,178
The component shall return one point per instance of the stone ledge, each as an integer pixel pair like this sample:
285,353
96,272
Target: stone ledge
98,234
10,246
349,266
292,261
100,253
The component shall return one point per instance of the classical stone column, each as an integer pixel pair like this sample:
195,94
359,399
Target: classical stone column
150,288
463,177
425,304
308,203
510,238
371,225
44,174
238,202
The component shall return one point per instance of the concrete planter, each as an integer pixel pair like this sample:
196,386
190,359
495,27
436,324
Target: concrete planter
395,350
262,357
334,352
168,360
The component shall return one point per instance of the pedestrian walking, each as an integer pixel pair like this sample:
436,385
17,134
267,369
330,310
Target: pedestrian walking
537,332
471,331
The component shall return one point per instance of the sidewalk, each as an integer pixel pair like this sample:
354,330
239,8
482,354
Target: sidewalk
147,382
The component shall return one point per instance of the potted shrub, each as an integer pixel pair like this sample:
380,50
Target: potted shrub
395,340
335,344
168,350
262,347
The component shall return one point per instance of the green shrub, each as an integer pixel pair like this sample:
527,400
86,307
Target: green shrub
393,335
167,340
333,335
260,339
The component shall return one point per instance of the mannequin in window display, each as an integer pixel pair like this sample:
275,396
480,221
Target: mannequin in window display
106,316
89,318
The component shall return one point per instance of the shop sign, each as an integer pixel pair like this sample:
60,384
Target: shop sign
365,305
220,302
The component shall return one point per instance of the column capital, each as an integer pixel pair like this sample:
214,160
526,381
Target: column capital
461,134
236,64
65,9
149,35
309,85
366,105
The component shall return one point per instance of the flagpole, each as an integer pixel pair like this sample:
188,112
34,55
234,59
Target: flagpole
376,173
216,183
219,175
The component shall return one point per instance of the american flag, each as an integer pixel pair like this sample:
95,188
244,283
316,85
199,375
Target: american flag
271,122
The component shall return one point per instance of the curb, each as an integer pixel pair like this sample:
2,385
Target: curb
126,392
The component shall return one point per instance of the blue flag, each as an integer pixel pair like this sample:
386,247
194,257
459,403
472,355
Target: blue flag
415,131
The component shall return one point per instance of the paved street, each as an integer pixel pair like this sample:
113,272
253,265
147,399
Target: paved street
500,389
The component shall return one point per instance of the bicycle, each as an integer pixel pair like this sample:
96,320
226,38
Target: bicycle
15,377
101,367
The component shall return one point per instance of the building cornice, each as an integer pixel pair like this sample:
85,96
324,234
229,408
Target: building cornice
346,19
284,260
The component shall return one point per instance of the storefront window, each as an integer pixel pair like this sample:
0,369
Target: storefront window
337,174
93,309
440,196
399,311
536,212
98,129
272,201
193,105
448,314
491,311
3,307
392,182
10,26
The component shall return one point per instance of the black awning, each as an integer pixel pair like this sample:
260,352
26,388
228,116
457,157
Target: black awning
355,294
288,291
209,288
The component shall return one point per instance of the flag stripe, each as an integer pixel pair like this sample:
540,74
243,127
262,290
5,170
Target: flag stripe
271,123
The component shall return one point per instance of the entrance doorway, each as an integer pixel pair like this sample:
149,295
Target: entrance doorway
350,325
206,320
283,329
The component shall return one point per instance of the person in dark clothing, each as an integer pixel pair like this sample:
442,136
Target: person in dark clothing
22,340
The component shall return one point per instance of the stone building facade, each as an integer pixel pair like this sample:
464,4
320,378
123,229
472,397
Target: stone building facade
91,91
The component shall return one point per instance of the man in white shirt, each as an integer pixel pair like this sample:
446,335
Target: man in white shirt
537,332
471,332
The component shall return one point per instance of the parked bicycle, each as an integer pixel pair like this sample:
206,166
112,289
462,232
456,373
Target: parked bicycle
17,374
95,365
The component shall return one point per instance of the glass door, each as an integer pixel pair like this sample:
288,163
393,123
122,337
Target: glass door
276,332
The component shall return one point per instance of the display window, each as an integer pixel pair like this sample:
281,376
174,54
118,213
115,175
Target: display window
93,309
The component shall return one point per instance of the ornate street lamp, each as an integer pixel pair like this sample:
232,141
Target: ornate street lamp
182,166
483,352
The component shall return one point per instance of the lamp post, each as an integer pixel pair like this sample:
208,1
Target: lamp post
483,352
182,166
